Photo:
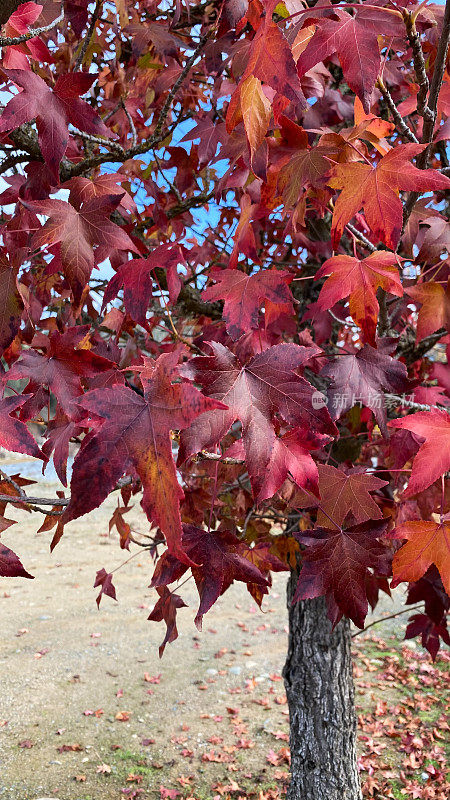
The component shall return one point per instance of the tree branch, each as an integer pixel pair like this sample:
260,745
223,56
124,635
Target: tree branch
7,41
88,37
360,236
130,122
396,116
157,136
438,75
389,616
403,400
23,499
412,352
419,65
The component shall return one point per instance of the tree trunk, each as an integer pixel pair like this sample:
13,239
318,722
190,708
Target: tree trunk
320,692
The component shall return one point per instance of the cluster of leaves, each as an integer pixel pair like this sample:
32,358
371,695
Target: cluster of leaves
217,249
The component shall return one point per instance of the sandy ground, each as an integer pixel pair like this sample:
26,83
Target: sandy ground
61,659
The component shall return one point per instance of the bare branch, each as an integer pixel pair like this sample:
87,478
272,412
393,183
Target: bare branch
403,400
23,499
396,116
360,236
218,457
11,161
88,37
419,66
412,352
131,124
438,73
99,140
389,616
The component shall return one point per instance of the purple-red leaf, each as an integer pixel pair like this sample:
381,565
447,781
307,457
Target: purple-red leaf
53,110
335,563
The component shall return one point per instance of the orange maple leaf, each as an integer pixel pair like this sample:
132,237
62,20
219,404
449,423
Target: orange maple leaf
428,543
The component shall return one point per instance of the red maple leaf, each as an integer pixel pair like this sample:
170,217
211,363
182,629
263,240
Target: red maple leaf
244,237
431,625
269,58
123,527
218,559
60,431
11,565
14,434
344,493
243,295
253,392
62,367
363,378
435,309
356,44
104,580
335,563
135,435
84,189
359,279
11,304
376,190
53,110
433,458
428,543
291,457
137,278
166,609
15,56
266,561
78,231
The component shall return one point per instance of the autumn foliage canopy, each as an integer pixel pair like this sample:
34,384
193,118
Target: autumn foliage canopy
225,289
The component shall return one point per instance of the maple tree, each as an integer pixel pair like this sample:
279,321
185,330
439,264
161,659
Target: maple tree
224,285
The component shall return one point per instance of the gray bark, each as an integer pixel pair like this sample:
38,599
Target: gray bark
320,692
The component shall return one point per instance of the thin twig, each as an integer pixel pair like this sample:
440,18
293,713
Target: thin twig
12,483
43,501
404,401
131,123
179,82
382,619
7,41
419,66
89,137
171,186
438,73
206,456
113,111
360,236
89,35
402,126
48,501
